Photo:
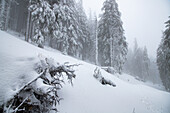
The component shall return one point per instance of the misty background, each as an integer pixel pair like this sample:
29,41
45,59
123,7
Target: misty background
142,19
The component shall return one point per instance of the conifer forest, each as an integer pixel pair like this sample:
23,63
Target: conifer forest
62,56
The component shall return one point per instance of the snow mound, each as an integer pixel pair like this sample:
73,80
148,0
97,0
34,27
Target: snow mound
87,95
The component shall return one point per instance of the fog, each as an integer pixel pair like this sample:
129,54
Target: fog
142,19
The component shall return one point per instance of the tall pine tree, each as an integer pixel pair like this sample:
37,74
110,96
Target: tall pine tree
112,43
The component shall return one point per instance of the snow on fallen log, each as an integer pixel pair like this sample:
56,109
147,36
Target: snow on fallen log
97,74
110,70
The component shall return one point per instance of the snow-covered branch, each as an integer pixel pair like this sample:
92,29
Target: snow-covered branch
41,93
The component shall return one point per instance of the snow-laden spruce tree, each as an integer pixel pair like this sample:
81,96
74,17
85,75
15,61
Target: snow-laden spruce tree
43,18
83,31
67,35
112,43
163,57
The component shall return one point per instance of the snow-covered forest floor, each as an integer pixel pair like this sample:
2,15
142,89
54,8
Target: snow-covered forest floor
87,95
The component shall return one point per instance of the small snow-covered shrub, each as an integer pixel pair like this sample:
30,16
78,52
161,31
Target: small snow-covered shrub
41,94
97,74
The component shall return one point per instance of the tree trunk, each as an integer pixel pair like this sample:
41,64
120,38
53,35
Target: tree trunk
28,24
8,15
96,59
111,52
30,28
111,49
33,28
2,14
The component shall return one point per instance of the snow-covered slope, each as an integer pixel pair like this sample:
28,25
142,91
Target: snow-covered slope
87,95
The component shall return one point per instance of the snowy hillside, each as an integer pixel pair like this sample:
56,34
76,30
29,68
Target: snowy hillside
87,95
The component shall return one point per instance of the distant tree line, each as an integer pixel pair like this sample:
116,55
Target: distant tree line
139,64
63,25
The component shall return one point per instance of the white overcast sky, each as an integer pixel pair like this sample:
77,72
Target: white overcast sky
142,19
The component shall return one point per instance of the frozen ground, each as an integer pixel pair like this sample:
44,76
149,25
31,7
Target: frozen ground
17,59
